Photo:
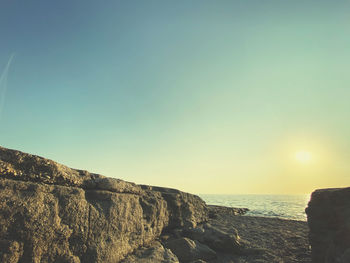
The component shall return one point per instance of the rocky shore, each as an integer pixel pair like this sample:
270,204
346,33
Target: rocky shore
239,239
52,213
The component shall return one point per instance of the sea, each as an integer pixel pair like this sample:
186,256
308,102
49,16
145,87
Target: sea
280,206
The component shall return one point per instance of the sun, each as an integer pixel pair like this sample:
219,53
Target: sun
303,156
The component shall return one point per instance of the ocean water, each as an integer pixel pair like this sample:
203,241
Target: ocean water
281,206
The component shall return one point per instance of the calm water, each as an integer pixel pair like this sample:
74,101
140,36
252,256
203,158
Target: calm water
282,206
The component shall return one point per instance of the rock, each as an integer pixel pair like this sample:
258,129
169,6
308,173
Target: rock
156,253
16,165
185,210
56,222
188,250
216,239
328,214
52,213
345,258
10,251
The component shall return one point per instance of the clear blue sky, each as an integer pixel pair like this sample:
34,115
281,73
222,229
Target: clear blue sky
206,96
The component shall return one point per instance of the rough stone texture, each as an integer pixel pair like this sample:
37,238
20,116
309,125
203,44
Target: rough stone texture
185,210
16,165
69,224
10,251
188,250
263,240
215,238
156,253
52,213
328,215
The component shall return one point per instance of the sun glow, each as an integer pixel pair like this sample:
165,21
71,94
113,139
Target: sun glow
303,156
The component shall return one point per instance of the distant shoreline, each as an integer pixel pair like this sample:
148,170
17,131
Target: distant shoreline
290,207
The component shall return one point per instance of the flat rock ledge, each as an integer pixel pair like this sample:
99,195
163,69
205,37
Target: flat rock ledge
328,214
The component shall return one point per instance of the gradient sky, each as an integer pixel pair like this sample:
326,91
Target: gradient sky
205,96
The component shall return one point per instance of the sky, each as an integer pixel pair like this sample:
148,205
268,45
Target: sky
225,97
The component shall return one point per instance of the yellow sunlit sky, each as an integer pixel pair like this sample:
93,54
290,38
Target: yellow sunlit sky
221,97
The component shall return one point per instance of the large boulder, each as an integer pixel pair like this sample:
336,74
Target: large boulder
52,213
69,224
155,253
216,239
186,210
328,214
188,250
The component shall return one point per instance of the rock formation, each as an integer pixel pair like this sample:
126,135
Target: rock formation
188,250
328,215
52,213
154,253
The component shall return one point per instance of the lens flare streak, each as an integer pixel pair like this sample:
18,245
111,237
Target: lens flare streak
3,83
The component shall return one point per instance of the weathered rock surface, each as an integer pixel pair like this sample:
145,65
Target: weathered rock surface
156,253
52,213
328,215
216,239
188,250
186,210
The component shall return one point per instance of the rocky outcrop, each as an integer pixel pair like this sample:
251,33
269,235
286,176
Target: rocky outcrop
155,253
328,216
52,213
188,250
216,239
186,210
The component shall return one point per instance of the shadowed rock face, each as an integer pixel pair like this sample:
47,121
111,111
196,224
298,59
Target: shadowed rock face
156,253
328,215
186,210
188,250
52,213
